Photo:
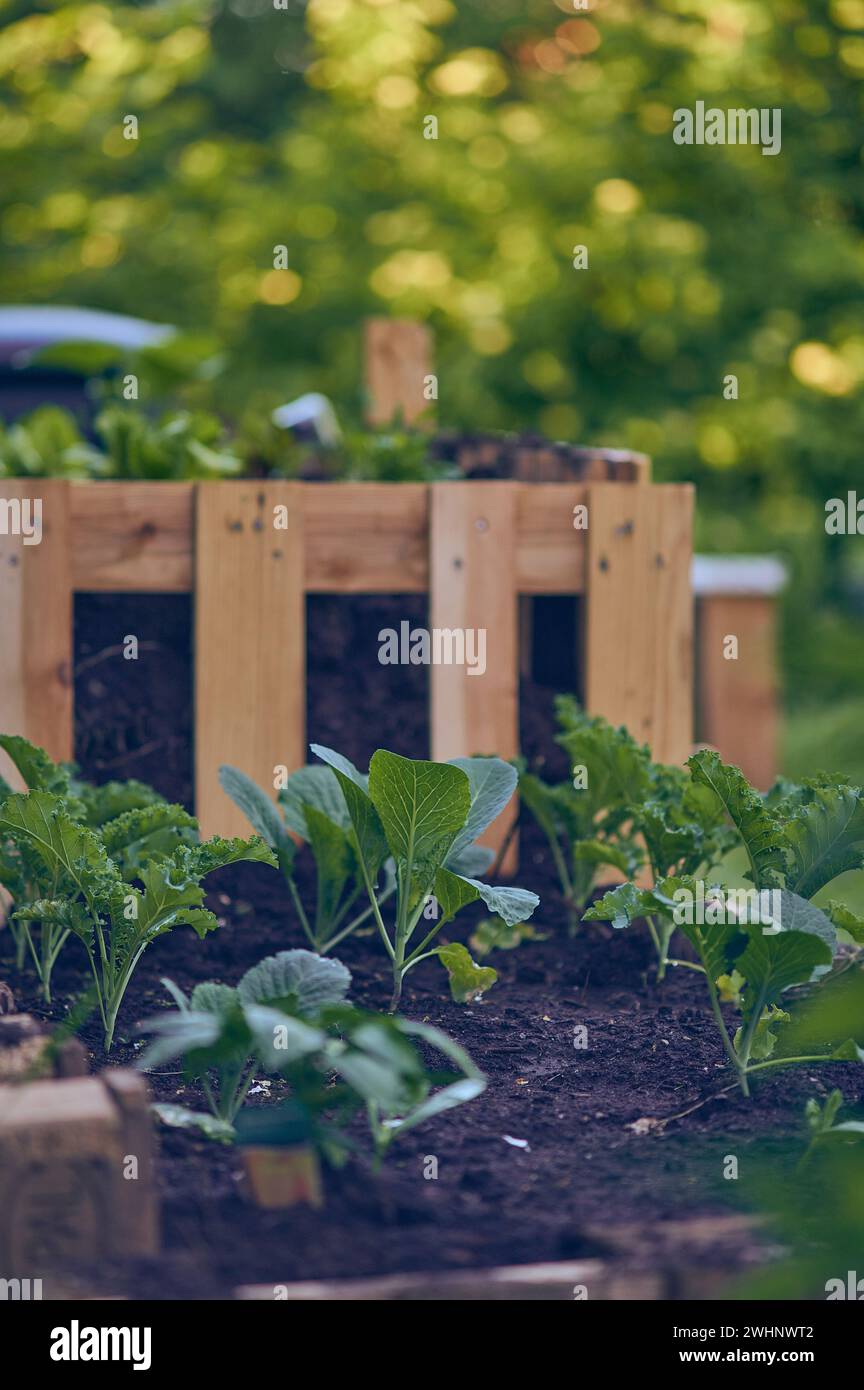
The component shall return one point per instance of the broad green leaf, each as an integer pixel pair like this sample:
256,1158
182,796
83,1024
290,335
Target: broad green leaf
512,905
298,981
472,1084
334,862
278,1038
260,811
422,805
794,913
760,832
314,786
381,1065
213,998
369,840
825,838
468,980
771,964
454,892
177,1034
492,783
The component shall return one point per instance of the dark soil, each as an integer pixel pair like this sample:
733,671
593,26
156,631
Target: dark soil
579,1172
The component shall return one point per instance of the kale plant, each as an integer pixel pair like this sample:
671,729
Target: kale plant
755,944
75,864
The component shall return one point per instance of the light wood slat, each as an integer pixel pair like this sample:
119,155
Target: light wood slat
398,356
639,618
472,585
250,642
550,553
36,624
366,537
738,698
132,536
360,537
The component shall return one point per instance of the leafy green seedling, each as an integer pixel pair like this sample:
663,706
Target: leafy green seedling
127,821
821,1127
116,887
314,810
426,817
222,1031
287,1016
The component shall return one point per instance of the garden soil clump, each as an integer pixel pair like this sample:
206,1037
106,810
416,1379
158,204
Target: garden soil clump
582,1050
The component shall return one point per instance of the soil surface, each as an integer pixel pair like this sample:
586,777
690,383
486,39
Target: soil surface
546,1165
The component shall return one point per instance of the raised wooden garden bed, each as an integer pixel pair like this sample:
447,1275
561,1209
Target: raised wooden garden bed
473,546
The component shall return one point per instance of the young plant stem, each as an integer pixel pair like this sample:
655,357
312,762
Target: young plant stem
664,931
304,920
740,1071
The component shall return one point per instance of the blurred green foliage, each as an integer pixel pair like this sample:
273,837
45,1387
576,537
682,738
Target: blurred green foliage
279,123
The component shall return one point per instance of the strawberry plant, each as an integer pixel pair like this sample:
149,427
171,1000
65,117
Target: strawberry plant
289,1017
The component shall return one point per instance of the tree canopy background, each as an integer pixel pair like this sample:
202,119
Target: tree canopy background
274,122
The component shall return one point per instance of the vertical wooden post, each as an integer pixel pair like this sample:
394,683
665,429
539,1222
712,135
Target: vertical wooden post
250,640
398,357
639,613
36,618
472,585
738,699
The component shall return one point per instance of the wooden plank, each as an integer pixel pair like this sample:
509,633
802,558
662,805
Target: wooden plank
132,536
473,587
551,554
366,538
360,537
639,613
250,641
739,696
35,617
67,1193
398,356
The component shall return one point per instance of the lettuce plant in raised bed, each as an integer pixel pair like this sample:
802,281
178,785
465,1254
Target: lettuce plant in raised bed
754,945
426,817
289,1017
130,820
405,831
116,885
